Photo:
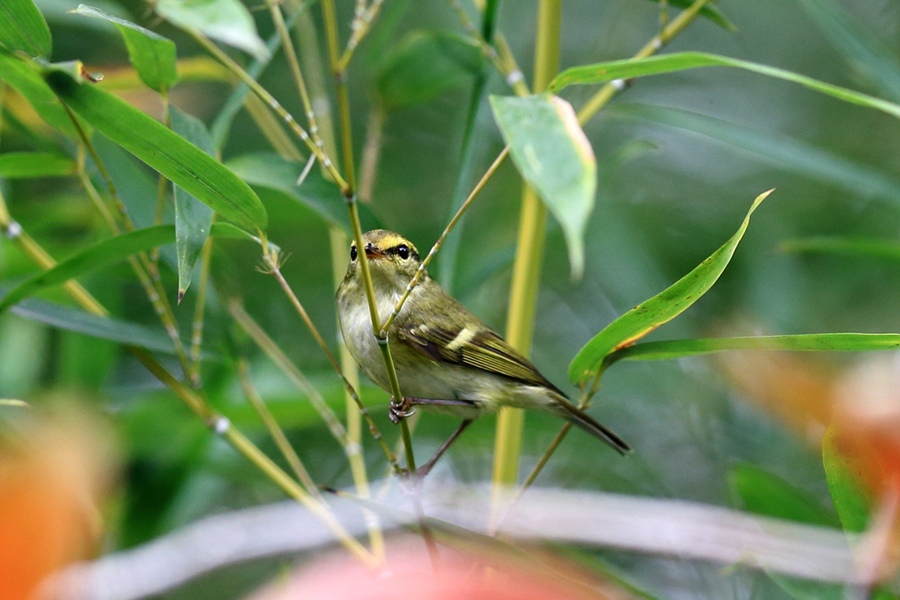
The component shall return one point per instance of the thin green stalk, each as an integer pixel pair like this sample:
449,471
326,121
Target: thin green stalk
526,268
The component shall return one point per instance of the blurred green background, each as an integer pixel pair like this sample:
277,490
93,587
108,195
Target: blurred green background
680,158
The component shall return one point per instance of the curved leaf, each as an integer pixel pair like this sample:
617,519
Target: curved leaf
850,246
660,309
177,159
97,256
152,55
680,61
553,155
808,342
23,78
23,28
107,328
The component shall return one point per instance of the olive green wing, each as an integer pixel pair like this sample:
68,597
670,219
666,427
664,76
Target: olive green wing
473,346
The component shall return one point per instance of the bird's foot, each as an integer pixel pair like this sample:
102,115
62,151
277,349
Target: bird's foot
401,410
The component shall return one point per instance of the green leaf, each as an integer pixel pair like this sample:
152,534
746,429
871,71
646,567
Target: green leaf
810,342
680,61
708,12
782,151
270,171
849,246
554,156
660,309
177,159
92,258
425,64
107,328
23,28
763,493
850,499
153,56
229,231
23,78
227,21
193,219
22,165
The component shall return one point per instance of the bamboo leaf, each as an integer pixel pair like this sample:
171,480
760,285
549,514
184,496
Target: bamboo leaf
850,499
177,159
153,56
810,342
553,155
193,219
107,328
23,78
92,258
660,309
763,493
708,12
25,165
680,61
23,28
227,21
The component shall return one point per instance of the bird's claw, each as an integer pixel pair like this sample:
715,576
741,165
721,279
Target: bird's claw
401,410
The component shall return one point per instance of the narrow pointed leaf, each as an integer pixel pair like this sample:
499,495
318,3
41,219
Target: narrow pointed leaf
153,56
681,61
23,28
810,342
92,258
767,494
177,159
660,309
193,219
553,155
107,328
26,165
227,21
708,12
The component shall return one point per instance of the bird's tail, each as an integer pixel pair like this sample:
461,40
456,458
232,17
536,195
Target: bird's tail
572,413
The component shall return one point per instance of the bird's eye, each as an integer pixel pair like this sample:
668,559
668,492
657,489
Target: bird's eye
403,251
353,253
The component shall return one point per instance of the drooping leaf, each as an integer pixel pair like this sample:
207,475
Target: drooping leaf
227,21
107,252
107,328
811,342
193,219
423,65
153,56
888,249
554,156
22,165
23,28
764,493
660,309
777,149
680,61
177,159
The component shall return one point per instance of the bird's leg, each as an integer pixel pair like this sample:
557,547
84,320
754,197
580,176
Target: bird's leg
400,410
422,471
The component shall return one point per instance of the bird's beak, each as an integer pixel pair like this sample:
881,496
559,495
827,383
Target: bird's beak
373,252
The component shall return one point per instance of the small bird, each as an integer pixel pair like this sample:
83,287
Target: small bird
446,359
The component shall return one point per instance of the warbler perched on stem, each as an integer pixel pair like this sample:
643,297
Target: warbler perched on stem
446,359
